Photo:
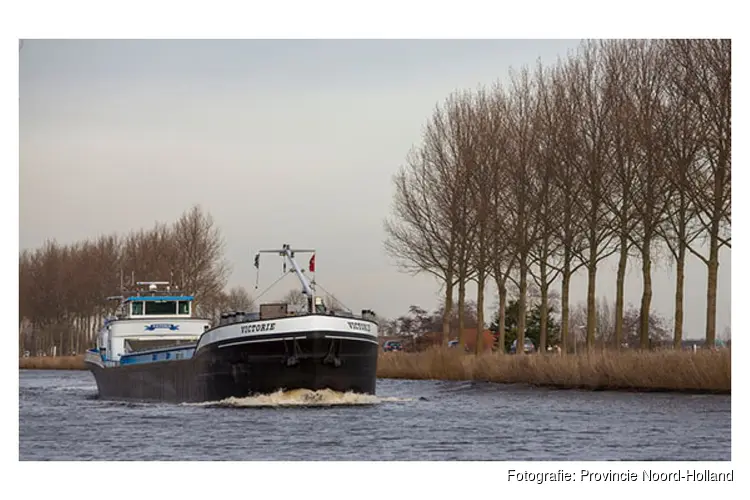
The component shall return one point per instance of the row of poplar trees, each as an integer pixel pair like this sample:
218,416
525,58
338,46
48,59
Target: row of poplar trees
621,148
63,289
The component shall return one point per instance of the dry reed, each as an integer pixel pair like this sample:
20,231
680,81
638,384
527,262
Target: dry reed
52,363
704,371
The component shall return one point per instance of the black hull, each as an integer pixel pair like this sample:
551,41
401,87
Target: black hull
233,369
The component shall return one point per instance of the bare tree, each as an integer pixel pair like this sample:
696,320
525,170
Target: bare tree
62,288
418,238
605,320
544,253
238,299
518,178
657,327
726,334
709,63
296,300
200,254
594,142
571,230
25,286
650,191
482,187
466,142
428,229
503,258
503,261
618,64
682,143
618,148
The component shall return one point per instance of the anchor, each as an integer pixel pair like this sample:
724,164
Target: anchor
331,358
294,358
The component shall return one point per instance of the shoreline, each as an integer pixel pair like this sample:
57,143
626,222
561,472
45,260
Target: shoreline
51,363
702,372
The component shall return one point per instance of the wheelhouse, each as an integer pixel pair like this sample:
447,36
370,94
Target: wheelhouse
178,306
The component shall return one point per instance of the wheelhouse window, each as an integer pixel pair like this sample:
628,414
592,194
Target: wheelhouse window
137,308
158,307
183,307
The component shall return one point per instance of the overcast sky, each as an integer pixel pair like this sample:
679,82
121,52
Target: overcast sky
281,141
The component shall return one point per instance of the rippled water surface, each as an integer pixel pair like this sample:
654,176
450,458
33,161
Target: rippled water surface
62,419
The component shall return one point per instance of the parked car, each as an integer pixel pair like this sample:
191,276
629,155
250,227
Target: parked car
528,346
392,345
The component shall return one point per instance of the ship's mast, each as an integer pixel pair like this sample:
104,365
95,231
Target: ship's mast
288,253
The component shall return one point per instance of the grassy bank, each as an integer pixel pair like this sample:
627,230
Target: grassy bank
681,371
50,363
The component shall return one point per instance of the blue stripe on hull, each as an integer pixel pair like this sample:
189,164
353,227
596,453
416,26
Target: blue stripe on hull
155,355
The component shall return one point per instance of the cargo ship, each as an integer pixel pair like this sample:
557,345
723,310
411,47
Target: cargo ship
156,349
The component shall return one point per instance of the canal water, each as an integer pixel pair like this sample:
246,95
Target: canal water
61,418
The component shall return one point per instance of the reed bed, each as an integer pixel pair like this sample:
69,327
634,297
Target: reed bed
704,371
52,363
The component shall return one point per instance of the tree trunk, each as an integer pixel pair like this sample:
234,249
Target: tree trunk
646,297
502,295
713,278
448,308
713,254
461,302
73,335
565,304
544,289
543,315
620,300
521,337
591,302
679,295
481,279
78,333
61,343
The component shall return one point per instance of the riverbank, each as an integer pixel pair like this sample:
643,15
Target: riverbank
52,363
703,371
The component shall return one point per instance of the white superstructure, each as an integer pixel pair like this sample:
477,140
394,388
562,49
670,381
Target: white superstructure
149,319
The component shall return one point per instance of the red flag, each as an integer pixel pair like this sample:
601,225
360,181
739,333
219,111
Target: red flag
312,263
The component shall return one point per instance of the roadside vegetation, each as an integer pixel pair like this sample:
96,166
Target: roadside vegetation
622,149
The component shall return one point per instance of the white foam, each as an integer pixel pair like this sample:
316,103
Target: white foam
302,397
